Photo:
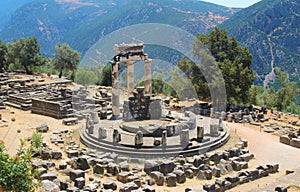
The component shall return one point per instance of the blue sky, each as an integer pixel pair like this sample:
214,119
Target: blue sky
233,3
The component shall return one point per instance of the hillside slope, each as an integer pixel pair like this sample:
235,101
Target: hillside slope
7,8
82,23
271,30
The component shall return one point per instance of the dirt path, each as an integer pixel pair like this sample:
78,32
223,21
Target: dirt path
266,149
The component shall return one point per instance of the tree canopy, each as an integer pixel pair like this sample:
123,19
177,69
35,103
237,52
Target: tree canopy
85,77
233,60
3,51
66,59
283,98
25,53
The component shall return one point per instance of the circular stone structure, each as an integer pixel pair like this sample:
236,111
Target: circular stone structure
180,137
147,131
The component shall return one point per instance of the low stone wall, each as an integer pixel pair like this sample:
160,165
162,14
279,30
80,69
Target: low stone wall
49,108
240,178
294,142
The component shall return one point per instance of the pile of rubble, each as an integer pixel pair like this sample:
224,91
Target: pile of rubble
141,106
82,169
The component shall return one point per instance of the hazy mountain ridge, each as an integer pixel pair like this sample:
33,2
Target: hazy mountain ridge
271,30
82,23
7,8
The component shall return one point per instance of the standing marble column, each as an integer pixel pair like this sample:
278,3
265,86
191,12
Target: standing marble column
164,138
184,137
115,89
148,76
200,133
130,77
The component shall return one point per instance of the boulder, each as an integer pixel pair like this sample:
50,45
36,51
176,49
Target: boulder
110,185
209,187
124,166
284,139
49,176
189,173
63,185
74,174
167,167
158,177
82,164
56,154
42,128
49,186
150,166
180,176
232,178
46,154
79,182
112,168
63,166
171,180
123,177
247,157
73,189
98,169
128,187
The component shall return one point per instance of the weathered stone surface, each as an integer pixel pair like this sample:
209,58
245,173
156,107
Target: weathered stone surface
49,176
112,168
82,164
46,154
284,139
247,157
150,181
232,178
167,167
63,185
123,177
222,169
92,187
209,187
62,166
49,186
128,187
56,154
110,185
295,142
158,178
99,169
171,180
221,182
208,174
236,166
79,182
73,189
74,174
201,175
189,173
124,166
72,153
228,167
42,128
180,176
147,188
281,189
216,172
150,166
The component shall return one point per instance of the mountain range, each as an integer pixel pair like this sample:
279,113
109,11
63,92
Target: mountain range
82,23
269,29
